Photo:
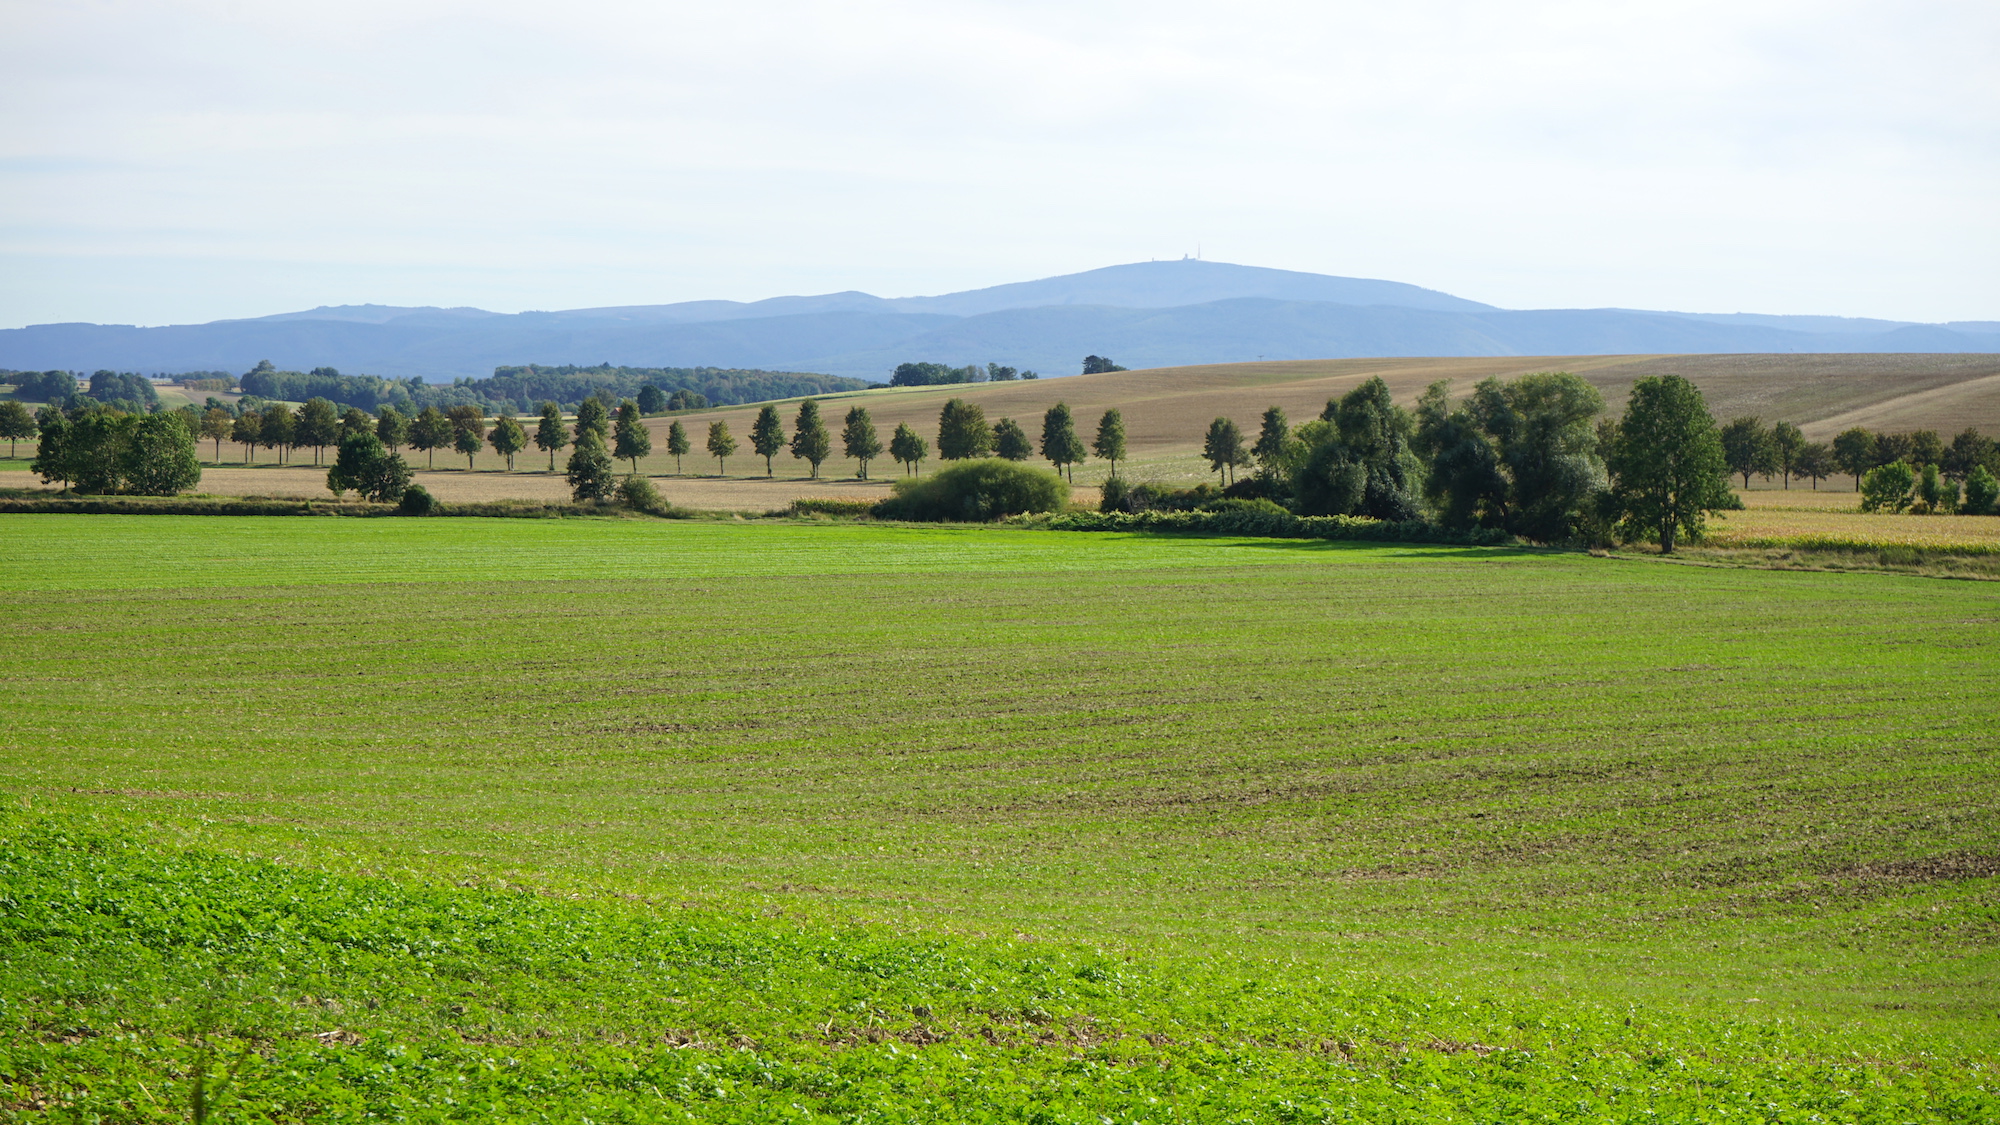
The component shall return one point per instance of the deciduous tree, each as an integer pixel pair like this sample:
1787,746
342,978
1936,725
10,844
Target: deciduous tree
1061,446
248,431
1667,468
1747,448
1815,461
1272,435
364,465
318,426
392,428
276,431
216,424
767,437
431,432
720,446
908,447
591,476
963,432
1223,447
677,444
591,415
17,423
507,438
549,434
651,399
810,441
633,442
1786,443
859,439
1854,453
1109,444
1010,441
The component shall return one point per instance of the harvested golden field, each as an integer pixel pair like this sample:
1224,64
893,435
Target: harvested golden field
1168,409
1849,529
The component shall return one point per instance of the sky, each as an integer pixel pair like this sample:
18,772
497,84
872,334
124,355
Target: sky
176,161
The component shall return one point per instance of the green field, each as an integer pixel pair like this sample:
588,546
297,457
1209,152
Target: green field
1254,799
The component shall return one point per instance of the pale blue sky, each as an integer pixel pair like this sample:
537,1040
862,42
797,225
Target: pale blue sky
170,161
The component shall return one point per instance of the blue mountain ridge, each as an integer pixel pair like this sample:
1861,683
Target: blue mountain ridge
1146,314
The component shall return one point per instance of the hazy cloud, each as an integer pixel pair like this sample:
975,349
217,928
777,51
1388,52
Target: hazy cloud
166,161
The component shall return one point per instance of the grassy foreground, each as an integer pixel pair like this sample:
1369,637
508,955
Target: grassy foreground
1317,818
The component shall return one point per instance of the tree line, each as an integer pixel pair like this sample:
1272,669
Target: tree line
937,374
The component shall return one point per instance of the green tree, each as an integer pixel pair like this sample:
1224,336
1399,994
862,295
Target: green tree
1968,451
1010,441
1887,486
1667,467
354,420
1465,484
1890,448
365,466
318,426
908,447
1747,448
810,441
157,456
859,439
392,428
1926,448
720,446
1787,442
1982,492
507,438
1544,436
55,456
633,441
249,432
591,415
1271,438
278,429
1223,447
963,432
1098,365
591,476
466,441
767,437
1110,442
549,434
651,400
17,423
216,424
677,444
1854,453
1061,446
1815,461
431,432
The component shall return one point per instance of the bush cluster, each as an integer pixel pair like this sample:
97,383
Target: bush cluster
976,491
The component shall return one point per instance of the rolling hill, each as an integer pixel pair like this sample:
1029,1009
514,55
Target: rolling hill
1147,314
1166,410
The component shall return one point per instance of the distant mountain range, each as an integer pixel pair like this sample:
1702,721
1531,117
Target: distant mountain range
1147,314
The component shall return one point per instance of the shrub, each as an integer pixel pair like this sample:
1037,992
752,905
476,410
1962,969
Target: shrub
976,491
824,506
417,502
1273,522
638,493
1119,496
1887,486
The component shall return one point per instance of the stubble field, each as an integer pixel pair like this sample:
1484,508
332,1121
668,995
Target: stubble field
1751,814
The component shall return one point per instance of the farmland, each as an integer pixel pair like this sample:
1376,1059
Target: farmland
1264,796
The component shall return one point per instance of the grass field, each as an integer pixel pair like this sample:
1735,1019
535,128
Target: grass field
1753,812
